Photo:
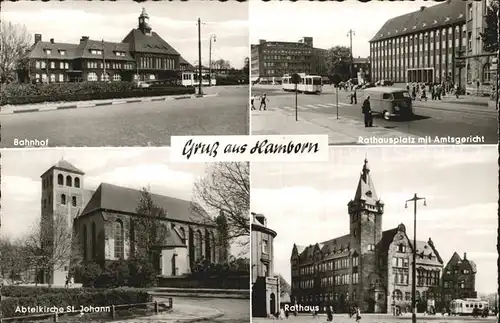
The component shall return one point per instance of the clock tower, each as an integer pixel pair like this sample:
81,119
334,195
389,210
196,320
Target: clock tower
365,223
144,23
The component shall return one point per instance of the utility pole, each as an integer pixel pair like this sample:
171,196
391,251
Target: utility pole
210,59
351,33
199,57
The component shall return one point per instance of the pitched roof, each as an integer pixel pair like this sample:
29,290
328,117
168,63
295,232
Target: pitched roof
473,265
387,238
122,199
66,166
424,250
38,50
153,43
366,190
110,49
444,14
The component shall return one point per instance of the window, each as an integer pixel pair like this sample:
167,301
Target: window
61,78
469,17
104,77
265,247
66,65
119,242
397,295
371,247
73,200
52,64
60,179
63,199
92,76
62,52
401,248
265,268
117,77
37,64
68,181
77,182
44,203
486,73
48,51
61,65
52,78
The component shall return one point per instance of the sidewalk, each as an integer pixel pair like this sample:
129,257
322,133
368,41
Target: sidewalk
342,131
180,313
49,106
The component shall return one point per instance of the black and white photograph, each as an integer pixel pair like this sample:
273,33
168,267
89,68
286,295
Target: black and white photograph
404,234
420,72
118,234
80,73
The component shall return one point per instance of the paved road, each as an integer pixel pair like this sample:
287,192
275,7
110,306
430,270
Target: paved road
235,310
343,318
433,118
135,124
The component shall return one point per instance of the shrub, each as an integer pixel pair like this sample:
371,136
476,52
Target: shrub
232,80
72,297
132,273
54,92
89,274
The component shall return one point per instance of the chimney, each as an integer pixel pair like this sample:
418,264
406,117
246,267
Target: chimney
38,38
422,8
261,41
84,38
465,255
52,40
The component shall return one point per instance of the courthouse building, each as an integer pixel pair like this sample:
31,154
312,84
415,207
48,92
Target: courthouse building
270,60
367,267
142,55
422,46
459,279
104,225
265,286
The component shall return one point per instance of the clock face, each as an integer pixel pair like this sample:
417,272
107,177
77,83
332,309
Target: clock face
141,20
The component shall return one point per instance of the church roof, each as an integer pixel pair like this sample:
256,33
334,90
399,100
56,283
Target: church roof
366,190
66,166
142,43
438,16
121,199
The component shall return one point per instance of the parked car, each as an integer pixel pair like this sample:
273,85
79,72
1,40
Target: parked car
390,102
384,83
142,84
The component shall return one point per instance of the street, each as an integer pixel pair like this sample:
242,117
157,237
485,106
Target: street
381,318
432,118
235,310
133,124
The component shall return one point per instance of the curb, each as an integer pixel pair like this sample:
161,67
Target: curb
100,104
200,319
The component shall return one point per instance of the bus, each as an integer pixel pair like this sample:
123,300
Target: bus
191,79
468,306
308,84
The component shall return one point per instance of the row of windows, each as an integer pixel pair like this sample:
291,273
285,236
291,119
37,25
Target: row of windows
427,278
46,182
288,52
157,63
52,65
92,77
397,295
110,65
450,284
400,262
63,201
401,278
286,58
329,265
326,297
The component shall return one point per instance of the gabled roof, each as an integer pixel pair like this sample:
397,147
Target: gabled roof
122,199
110,50
387,238
65,166
38,50
441,15
153,43
424,250
473,265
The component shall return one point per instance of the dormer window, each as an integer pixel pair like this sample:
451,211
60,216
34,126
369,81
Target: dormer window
369,193
122,54
62,52
48,51
96,51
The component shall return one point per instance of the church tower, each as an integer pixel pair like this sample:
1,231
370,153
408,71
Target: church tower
365,223
144,25
62,201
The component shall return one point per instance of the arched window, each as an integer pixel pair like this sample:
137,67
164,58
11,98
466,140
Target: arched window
119,242
68,181
85,242
94,240
208,248
77,181
486,73
63,199
212,235
198,243
60,179
73,200
397,295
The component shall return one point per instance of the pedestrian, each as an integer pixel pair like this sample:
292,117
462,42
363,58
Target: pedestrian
457,90
413,93
71,281
407,87
423,96
329,313
354,99
367,112
282,313
67,282
263,100
252,99
358,314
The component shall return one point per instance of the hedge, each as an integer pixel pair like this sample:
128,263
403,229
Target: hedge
53,92
131,273
69,297
215,282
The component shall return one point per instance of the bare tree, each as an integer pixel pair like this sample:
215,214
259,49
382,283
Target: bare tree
14,43
14,263
149,229
225,189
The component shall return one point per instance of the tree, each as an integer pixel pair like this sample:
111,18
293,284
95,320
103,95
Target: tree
225,190
490,34
15,41
221,64
246,66
284,286
338,61
14,261
149,229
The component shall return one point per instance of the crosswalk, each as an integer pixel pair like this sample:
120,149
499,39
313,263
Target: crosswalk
308,107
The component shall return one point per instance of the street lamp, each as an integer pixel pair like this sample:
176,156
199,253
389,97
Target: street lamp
414,199
214,37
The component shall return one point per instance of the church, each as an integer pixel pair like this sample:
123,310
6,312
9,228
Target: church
367,267
101,223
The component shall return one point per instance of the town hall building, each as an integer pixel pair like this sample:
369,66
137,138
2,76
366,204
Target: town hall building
367,267
103,225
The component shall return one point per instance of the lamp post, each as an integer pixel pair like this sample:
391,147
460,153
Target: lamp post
414,199
214,37
199,58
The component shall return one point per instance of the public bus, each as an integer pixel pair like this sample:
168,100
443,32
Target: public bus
308,84
467,306
191,79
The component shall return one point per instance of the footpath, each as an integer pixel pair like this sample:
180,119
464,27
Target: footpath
342,131
50,106
181,313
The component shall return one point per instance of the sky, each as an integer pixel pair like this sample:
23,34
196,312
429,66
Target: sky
134,168
175,22
307,203
327,22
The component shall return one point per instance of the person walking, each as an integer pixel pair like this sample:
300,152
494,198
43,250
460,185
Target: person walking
457,90
263,100
252,100
67,282
367,111
413,93
354,99
423,96
358,314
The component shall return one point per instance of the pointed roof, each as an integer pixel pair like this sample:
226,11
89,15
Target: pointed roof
65,166
366,190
